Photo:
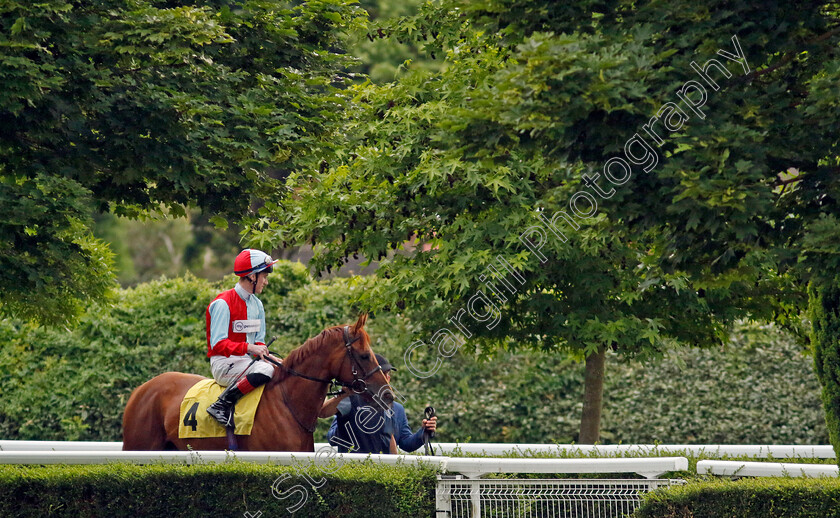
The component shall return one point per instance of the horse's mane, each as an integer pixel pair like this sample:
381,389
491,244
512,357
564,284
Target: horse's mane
310,347
303,352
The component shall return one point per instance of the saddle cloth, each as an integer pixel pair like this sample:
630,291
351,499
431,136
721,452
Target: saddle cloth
195,422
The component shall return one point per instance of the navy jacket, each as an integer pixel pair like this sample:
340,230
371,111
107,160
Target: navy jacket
359,427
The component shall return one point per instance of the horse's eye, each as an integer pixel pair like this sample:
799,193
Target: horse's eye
365,357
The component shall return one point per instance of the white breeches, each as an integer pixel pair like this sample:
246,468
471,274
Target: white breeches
225,369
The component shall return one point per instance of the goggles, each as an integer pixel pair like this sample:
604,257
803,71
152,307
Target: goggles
266,265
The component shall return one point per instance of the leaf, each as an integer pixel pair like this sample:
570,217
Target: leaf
219,222
19,26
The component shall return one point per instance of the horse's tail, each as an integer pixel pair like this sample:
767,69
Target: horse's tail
143,420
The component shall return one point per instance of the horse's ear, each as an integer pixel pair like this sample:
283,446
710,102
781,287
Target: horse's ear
360,323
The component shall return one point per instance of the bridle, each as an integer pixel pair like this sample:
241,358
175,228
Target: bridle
358,385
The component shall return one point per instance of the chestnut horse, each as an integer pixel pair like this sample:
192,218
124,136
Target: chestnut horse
288,410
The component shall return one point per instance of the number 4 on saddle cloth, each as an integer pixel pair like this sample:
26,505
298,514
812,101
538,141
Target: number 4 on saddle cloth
195,422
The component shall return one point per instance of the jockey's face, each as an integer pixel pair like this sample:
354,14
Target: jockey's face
262,282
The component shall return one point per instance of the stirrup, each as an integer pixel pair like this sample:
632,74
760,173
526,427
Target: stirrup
222,412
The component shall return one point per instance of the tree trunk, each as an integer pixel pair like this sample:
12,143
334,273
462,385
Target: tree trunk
593,390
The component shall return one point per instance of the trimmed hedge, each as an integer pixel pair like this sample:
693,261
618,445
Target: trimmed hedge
72,384
824,305
746,498
758,389
198,491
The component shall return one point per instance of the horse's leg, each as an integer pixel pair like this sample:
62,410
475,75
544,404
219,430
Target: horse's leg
275,429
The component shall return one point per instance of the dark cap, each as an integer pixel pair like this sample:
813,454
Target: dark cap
384,363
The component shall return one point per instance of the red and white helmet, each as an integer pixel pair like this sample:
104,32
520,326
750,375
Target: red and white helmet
252,261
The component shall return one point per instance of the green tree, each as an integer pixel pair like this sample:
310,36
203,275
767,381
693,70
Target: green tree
129,106
825,321
514,131
752,189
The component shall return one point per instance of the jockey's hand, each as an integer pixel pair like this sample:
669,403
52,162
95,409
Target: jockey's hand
430,424
259,351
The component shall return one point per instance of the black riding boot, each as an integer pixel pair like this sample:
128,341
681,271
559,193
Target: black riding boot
222,409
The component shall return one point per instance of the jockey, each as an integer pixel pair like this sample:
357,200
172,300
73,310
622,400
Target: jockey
235,329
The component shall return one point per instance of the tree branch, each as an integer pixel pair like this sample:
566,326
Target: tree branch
788,57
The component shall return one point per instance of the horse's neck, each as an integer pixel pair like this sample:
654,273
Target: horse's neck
305,396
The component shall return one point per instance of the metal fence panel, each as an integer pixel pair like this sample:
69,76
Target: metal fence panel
533,498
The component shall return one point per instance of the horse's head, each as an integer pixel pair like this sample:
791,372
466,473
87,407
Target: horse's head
355,365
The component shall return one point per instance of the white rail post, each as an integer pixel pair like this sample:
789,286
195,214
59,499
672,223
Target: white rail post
443,496
475,495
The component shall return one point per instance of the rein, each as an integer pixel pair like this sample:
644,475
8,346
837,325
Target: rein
358,385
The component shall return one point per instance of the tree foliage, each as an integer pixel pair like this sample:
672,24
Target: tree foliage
131,105
532,102
436,163
825,319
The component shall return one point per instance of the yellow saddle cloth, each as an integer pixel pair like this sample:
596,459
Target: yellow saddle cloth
195,422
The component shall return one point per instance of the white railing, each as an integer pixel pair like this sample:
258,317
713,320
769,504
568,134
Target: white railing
462,495
456,497
779,451
461,491
59,446
646,467
469,467
764,469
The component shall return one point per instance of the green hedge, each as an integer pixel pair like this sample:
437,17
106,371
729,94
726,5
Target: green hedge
746,498
759,389
199,491
72,384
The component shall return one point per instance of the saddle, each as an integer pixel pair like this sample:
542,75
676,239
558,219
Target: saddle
196,423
